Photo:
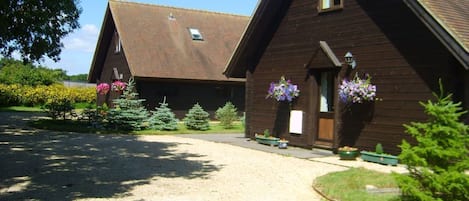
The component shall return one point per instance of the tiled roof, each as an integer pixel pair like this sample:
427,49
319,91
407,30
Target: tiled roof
157,42
453,15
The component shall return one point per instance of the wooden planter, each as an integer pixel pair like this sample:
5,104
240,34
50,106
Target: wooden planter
272,141
385,159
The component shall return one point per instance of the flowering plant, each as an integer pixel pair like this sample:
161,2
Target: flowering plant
283,90
357,90
118,85
102,88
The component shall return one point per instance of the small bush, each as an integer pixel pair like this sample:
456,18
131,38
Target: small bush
163,118
227,115
60,107
197,118
437,163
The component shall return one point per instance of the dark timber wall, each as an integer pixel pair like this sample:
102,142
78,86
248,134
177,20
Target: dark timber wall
388,41
181,96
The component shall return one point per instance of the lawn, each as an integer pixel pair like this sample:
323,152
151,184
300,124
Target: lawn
350,185
84,127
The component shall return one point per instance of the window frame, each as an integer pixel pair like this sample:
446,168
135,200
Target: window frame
195,31
118,44
332,6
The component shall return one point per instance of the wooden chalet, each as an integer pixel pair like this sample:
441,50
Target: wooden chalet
171,52
405,45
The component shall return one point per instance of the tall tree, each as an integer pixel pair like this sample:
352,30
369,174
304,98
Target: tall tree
35,28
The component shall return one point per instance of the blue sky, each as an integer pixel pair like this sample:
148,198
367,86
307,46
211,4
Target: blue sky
79,46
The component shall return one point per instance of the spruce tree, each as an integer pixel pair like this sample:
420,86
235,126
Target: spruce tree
128,112
163,118
438,161
197,118
227,115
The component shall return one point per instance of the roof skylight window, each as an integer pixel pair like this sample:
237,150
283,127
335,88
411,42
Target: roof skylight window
195,34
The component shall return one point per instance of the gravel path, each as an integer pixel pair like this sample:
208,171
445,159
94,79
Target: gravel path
44,165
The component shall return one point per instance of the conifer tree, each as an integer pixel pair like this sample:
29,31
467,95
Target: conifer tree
438,161
163,118
227,115
128,112
197,118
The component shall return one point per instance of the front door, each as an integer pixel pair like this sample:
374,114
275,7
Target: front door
326,90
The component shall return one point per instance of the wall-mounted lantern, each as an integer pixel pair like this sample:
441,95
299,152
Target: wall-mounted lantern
349,60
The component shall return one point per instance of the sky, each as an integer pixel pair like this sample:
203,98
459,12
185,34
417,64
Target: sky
79,46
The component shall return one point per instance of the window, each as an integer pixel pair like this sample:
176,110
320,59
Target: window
327,92
330,5
118,46
195,34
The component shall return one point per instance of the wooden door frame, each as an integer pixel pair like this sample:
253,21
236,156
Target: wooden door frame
315,74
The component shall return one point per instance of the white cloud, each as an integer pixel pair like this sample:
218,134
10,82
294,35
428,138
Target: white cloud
83,40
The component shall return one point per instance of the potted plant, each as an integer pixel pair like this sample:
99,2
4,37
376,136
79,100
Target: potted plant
379,156
282,143
357,90
102,88
284,90
266,138
348,153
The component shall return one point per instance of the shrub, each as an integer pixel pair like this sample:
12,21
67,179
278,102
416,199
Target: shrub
128,112
437,163
227,115
39,95
163,119
59,107
379,148
197,118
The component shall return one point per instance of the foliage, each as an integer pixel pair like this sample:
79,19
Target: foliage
357,90
16,72
58,107
197,118
38,95
35,28
102,88
128,112
349,185
266,133
227,115
379,148
438,161
77,78
283,90
163,118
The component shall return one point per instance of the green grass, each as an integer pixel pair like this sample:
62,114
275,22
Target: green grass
21,109
83,127
350,185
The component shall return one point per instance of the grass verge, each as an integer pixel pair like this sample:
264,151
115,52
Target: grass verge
350,185
21,109
83,127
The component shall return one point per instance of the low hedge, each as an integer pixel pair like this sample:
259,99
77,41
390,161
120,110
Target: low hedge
39,95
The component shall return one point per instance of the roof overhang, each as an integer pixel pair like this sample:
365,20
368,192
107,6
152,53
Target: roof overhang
453,45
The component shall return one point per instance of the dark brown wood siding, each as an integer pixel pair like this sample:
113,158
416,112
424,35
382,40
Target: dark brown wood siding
389,43
181,96
113,60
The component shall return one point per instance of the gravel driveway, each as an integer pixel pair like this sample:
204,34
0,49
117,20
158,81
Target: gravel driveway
44,165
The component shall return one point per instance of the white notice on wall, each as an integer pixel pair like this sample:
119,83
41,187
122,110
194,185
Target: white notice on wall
296,121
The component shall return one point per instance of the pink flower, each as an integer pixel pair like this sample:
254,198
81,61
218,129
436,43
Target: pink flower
102,88
118,85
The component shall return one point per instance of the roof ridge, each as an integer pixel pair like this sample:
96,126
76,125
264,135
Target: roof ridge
179,8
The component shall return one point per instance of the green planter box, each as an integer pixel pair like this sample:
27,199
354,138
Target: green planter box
348,155
272,141
385,159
